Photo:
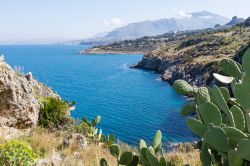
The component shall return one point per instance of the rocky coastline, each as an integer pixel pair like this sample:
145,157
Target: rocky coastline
172,70
94,51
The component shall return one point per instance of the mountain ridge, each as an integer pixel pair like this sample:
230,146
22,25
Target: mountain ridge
189,21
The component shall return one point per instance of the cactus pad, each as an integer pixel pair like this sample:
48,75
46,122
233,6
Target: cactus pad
202,95
246,62
126,158
152,160
196,126
210,113
217,138
142,144
243,149
115,150
157,141
234,135
188,109
234,159
239,118
182,87
230,68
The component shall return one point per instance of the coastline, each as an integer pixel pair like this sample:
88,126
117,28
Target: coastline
170,69
95,51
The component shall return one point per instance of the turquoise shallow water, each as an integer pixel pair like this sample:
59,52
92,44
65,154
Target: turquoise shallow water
133,103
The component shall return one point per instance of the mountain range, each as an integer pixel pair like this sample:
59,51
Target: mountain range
187,21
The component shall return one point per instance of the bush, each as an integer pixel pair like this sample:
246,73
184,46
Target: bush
53,113
15,153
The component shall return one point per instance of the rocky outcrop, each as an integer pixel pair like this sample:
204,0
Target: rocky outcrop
173,69
103,50
19,105
246,23
235,20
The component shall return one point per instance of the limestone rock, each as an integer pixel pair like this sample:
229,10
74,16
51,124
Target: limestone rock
76,138
19,105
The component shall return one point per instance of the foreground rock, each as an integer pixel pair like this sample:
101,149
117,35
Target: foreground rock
19,98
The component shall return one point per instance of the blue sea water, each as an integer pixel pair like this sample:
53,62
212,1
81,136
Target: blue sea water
133,103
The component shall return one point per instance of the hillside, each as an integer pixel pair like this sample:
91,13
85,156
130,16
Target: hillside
191,21
142,45
188,55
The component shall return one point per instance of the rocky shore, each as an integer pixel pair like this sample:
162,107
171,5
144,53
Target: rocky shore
103,51
173,69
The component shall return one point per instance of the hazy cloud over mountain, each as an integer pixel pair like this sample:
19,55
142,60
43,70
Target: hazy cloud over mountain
181,21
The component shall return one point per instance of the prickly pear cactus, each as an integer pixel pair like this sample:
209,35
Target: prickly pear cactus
222,118
147,156
183,87
202,95
230,68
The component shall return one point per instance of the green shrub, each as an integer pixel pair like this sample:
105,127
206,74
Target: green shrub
53,113
16,153
89,128
222,118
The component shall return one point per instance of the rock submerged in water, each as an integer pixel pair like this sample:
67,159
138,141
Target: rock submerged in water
19,105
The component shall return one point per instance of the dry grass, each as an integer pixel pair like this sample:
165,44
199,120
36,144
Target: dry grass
90,156
44,141
47,143
180,158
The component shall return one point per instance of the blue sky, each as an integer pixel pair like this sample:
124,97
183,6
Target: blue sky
77,19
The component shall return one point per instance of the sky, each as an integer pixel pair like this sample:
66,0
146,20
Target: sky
78,19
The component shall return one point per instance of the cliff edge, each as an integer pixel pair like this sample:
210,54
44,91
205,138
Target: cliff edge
19,98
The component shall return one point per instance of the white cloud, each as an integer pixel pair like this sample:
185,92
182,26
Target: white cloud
206,17
112,23
180,14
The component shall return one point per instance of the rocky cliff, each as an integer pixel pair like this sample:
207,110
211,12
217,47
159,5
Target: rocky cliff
19,98
193,58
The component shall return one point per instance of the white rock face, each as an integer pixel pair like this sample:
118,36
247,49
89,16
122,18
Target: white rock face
19,106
